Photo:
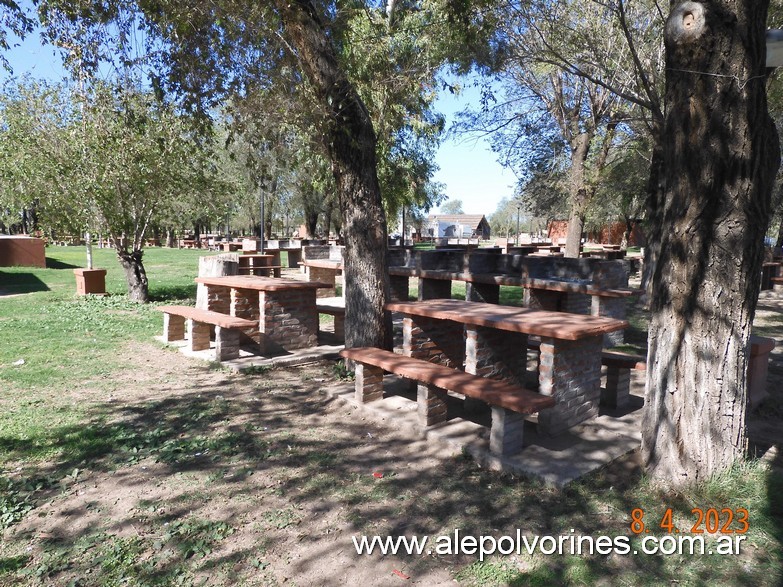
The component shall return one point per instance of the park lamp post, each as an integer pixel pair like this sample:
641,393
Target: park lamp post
517,239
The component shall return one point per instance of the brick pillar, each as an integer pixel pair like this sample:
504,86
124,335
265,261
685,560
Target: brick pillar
431,404
369,383
576,303
436,341
482,292
226,343
294,258
339,326
198,333
325,276
611,308
289,320
495,354
399,286
173,327
570,371
245,304
432,289
506,432
219,299
617,391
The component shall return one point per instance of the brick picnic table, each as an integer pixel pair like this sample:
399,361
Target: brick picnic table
491,340
326,271
259,264
285,309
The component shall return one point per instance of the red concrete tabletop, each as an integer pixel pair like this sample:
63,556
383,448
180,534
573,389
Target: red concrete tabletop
561,325
260,283
255,256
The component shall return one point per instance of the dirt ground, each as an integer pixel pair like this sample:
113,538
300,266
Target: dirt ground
261,479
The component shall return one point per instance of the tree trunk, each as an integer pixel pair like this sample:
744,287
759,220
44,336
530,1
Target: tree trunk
654,206
135,275
580,147
779,240
350,140
720,151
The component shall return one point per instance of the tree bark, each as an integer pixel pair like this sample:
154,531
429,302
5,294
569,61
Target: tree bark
720,153
350,141
654,207
580,148
135,274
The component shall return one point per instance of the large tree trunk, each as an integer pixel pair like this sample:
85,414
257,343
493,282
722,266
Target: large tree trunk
350,140
135,274
654,207
720,155
580,147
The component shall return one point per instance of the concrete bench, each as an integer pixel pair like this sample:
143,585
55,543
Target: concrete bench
509,402
617,391
200,323
334,306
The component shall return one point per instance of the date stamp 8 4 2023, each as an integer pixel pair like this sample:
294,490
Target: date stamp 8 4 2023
709,521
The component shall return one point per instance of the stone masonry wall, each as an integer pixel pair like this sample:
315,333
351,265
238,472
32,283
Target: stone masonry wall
244,304
437,341
570,371
496,354
289,317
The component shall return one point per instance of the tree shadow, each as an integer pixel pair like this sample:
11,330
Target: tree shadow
275,463
165,293
57,264
20,283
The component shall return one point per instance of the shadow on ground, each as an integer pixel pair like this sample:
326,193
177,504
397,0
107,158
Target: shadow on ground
156,484
20,283
56,264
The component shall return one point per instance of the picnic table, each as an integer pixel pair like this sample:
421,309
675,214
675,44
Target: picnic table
284,309
325,271
258,264
578,297
491,340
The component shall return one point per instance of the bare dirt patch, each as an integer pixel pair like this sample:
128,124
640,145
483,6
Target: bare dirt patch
186,473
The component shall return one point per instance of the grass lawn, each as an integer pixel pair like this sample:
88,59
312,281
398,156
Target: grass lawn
124,463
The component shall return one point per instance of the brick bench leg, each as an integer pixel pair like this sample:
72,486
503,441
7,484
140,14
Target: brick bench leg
173,327
226,343
369,383
198,333
432,407
339,326
505,435
617,392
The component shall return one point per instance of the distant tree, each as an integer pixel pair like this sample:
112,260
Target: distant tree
113,163
452,207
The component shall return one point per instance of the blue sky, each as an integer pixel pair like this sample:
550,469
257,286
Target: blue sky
468,167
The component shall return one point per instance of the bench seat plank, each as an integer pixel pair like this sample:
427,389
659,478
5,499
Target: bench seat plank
499,393
209,317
